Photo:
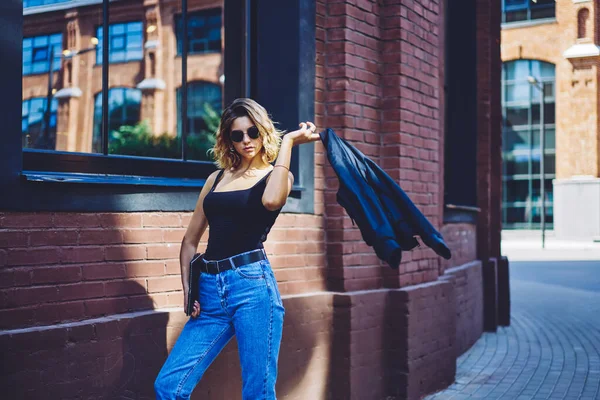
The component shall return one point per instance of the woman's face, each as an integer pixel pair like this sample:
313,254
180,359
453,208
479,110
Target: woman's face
248,148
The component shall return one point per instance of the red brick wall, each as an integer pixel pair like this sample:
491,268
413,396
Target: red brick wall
116,357
468,294
423,356
58,267
461,239
378,87
365,345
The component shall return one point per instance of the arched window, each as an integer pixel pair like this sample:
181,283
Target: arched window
200,134
199,93
123,109
521,142
582,20
35,134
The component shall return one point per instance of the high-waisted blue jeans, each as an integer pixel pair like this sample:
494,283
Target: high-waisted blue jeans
244,301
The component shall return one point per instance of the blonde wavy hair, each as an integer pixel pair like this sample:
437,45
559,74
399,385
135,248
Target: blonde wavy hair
223,151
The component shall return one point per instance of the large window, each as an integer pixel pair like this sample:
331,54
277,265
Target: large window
126,42
122,141
204,32
38,52
123,114
36,133
523,10
521,142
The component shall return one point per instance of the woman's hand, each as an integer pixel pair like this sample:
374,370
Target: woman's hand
306,134
196,309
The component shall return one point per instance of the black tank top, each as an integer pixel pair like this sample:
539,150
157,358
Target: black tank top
238,220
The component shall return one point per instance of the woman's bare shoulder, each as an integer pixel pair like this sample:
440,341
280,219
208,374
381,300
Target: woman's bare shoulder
212,178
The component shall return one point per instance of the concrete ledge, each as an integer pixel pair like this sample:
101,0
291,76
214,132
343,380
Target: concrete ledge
468,290
367,344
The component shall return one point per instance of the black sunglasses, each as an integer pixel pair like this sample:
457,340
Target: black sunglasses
237,135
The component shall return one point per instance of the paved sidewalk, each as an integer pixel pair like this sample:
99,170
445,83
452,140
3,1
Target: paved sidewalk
527,246
552,348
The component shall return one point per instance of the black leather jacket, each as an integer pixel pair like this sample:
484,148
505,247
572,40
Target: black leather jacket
388,220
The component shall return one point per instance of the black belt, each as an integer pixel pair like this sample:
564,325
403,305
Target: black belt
215,267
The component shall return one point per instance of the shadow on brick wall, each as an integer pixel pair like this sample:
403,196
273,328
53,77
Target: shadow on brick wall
77,319
80,309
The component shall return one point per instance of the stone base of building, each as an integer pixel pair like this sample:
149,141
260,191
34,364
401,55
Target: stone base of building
577,208
388,343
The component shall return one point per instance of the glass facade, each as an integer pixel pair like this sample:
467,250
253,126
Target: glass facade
521,143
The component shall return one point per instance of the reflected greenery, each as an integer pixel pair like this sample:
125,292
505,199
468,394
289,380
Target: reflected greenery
139,140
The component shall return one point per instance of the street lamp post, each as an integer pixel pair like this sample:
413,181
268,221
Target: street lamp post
48,112
541,86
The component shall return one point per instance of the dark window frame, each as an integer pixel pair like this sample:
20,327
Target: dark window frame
61,181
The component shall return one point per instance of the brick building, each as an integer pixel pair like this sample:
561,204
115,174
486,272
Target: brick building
90,289
556,43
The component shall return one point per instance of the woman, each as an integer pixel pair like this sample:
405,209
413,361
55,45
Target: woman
238,291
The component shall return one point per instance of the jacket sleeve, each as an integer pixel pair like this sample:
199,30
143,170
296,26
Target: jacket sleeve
359,200
412,216
374,227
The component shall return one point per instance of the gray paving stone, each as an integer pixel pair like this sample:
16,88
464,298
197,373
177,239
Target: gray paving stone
552,348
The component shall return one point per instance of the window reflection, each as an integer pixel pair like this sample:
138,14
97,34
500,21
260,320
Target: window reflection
125,42
521,141
33,3
62,66
33,128
204,105
204,30
38,51
123,113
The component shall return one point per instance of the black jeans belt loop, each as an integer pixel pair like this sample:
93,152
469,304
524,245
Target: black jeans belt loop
218,266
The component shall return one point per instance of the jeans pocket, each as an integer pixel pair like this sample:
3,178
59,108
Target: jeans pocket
274,288
251,271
